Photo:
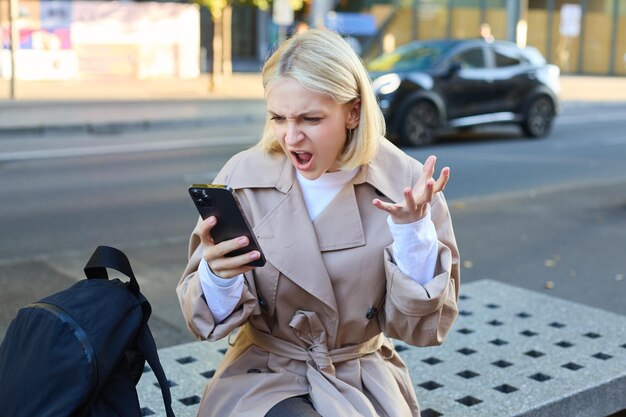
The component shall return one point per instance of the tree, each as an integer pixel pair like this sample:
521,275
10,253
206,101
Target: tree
221,15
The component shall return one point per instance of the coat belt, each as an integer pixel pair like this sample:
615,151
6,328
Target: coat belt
331,397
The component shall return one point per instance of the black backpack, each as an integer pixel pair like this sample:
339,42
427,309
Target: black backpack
81,352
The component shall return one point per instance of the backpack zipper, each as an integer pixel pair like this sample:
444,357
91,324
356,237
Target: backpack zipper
78,332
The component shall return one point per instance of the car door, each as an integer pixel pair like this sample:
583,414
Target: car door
510,78
467,89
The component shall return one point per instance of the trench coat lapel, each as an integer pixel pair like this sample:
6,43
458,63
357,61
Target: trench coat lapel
289,242
339,225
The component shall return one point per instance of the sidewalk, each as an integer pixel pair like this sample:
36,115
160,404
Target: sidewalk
116,105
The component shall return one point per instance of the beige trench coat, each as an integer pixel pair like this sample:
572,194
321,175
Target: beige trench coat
312,319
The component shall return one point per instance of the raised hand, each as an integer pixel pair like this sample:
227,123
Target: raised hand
416,200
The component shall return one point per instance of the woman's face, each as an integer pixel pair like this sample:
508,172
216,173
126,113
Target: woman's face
310,126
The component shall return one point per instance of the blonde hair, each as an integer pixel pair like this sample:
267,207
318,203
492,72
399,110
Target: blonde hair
322,61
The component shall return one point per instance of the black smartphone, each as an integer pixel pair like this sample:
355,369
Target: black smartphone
220,201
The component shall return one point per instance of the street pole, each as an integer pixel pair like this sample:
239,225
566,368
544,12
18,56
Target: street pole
13,15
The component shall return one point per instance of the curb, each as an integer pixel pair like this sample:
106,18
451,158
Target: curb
110,128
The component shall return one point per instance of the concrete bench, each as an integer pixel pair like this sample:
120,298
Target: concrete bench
512,352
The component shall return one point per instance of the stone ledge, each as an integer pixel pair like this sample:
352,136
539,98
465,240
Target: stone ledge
512,352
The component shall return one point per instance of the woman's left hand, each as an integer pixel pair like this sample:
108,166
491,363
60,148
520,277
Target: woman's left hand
416,200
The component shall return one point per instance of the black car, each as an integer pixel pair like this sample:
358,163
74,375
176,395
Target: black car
424,86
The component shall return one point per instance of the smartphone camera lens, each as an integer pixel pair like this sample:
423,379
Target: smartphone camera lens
202,198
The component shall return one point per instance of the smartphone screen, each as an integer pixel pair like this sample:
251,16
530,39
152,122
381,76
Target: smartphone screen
220,201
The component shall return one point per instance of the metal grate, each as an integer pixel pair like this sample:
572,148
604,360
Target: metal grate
563,359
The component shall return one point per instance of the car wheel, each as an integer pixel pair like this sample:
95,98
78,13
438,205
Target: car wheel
418,125
538,118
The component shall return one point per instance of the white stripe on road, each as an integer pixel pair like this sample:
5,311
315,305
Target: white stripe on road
126,148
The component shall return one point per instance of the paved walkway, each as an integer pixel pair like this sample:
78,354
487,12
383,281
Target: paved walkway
67,106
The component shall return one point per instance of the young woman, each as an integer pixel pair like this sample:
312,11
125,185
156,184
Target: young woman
359,248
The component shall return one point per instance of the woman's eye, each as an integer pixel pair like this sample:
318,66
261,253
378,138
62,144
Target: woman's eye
277,119
312,119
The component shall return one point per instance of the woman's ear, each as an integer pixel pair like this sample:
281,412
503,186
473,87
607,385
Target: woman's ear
354,114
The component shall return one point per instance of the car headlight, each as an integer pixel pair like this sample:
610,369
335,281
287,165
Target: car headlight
386,84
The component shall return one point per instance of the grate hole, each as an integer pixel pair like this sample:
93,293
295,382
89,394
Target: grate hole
467,374
540,377
557,325
572,366
564,344
529,333
498,342
466,351
222,351
430,385
429,412
592,335
194,399
492,306
602,356
523,315
465,313
186,360
169,384
432,360
505,388
145,411
208,374
400,348
464,297
465,330
146,369
624,346
469,401
534,353
495,323
501,364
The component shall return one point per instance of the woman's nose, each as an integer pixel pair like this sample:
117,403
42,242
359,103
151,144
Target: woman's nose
293,134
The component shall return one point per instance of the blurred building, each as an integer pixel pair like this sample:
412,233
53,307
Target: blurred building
580,36
101,40
95,39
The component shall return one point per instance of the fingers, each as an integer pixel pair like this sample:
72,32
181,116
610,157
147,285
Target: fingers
429,166
229,267
215,254
204,230
441,182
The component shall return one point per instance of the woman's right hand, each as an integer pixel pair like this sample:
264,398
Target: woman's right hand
214,254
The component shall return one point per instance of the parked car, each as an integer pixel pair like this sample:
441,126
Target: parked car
424,86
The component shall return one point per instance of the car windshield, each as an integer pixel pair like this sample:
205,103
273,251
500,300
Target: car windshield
414,56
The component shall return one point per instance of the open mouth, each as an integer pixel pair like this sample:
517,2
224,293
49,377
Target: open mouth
302,160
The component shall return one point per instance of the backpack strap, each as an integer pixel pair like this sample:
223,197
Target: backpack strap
148,347
108,257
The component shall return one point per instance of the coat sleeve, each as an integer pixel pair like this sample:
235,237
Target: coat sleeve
423,315
194,307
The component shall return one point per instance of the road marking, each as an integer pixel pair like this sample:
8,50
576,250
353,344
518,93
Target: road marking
126,148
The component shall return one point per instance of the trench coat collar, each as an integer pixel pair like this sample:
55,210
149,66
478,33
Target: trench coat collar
294,244
390,171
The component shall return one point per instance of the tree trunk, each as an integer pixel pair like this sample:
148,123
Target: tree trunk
216,74
227,28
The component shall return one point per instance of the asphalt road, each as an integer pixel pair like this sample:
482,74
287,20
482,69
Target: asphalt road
532,213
